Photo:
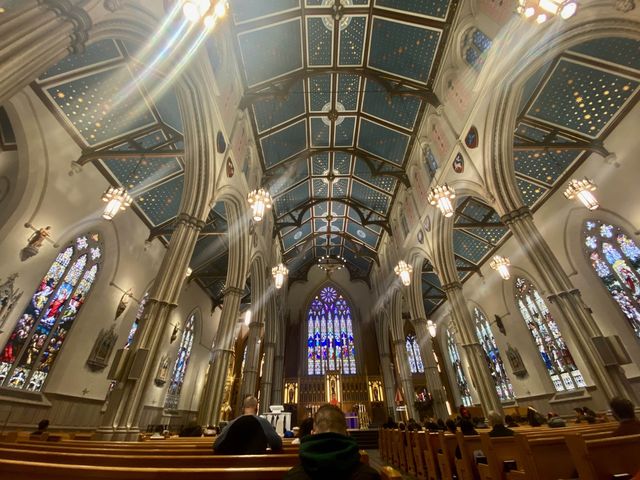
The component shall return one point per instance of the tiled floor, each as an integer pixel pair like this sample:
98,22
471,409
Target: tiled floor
376,462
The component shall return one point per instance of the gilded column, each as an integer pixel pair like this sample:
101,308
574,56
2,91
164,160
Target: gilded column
475,356
34,36
611,380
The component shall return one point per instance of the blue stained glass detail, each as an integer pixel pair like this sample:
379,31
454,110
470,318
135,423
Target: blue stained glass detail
180,367
280,51
319,133
401,110
95,53
492,355
330,340
30,351
348,89
161,203
390,52
270,112
319,92
345,131
433,8
352,42
284,144
319,42
136,321
481,41
413,354
383,142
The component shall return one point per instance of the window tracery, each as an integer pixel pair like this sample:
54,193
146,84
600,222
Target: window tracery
180,367
330,344
492,355
474,47
33,346
545,332
456,363
413,354
615,258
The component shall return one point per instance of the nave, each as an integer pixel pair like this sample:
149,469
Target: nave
400,208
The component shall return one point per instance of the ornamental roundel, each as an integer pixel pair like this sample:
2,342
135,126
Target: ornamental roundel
458,163
221,143
420,236
427,223
471,140
230,168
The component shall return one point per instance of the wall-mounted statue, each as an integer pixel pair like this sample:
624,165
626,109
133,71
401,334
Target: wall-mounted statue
9,296
124,303
35,241
102,348
516,362
162,375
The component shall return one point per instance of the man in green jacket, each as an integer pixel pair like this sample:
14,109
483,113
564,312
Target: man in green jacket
328,453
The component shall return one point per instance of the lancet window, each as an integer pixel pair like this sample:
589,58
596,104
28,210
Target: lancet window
492,355
413,353
474,47
615,257
34,344
549,341
180,367
456,363
330,344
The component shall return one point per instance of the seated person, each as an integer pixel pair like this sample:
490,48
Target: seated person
623,411
451,426
508,419
498,429
42,427
305,429
328,452
467,428
247,434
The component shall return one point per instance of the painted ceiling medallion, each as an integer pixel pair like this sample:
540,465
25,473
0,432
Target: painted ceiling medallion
230,168
221,143
458,163
333,114
421,236
471,140
427,223
361,233
337,7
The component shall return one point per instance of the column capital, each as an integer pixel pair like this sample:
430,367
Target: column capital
455,285
81,21
190,220
233,291
420,321
515,215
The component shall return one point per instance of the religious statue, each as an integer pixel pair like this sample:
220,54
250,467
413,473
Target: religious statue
124,303
35,241
9,296
516,362
174,334
102,348
162,375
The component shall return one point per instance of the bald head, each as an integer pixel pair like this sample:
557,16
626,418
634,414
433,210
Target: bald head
329,418
250,405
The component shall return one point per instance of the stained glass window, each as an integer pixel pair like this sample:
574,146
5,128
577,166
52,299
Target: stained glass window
180,367
492,355
456,363
413,352
474,47
34,344
615,257
545,332
136,322
330,345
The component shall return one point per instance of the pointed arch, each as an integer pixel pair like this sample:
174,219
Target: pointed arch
182,362
555,353
504,388
615,259
34,344
330,342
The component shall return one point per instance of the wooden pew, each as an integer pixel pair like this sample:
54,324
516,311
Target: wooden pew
497,451
466,466
603,458
409,449
418,455
446,457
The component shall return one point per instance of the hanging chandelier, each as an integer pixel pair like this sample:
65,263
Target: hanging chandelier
404,270
501,265
582,189
543,10
431,327
116,199
205,11
189,271
260,201
279,272
441,196
330,263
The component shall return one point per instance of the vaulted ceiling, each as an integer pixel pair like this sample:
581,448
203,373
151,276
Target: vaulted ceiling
337,91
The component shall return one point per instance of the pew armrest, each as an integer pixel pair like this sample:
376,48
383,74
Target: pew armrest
515,475
390,473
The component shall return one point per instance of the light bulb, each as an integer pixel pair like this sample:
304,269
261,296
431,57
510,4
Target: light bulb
190,11
112,208
541,18
220,9
529,12
431,327
568,10
209,22
588,199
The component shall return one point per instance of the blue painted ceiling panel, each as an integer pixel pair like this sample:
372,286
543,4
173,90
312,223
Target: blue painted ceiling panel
616,50
432,8
530,193
383,142
319,92
319,42
352,42
292,199
250,9
469,247
96,53
319,133
270,112
344,132
399,110
161,203
348,89
546,167
285,143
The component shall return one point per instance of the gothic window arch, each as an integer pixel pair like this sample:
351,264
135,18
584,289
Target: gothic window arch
475,44
180,367
413,353
456,363
615,258
330,344
34,344
555,354
492,355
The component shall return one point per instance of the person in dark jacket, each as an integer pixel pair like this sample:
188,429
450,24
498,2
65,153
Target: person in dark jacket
498,429
328,452
247,434
623,411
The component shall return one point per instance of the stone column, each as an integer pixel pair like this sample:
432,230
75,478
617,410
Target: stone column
277,397
36,35
252,364
121,420
431,369
389,383
266,380
480,375
212,396
574,313
408,389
